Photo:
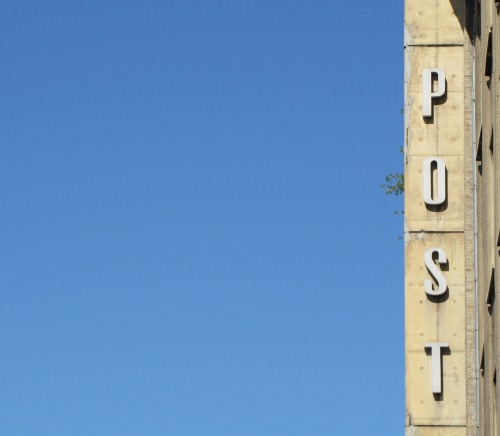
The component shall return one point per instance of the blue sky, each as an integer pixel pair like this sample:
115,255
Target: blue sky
193,236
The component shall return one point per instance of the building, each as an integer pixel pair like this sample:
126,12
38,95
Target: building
452,217
486,126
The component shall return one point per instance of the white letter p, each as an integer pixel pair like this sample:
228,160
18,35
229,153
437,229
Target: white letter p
427,93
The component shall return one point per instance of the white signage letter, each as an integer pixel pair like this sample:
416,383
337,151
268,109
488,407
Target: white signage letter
435,272
440,196
427,93
436,364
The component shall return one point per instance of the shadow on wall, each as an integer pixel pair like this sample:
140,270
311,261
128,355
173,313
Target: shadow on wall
463,9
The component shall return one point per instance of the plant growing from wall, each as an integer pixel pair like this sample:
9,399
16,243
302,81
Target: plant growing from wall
395,182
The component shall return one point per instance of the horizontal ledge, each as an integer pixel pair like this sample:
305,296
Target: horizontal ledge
422,422
436,155
458,232
434,45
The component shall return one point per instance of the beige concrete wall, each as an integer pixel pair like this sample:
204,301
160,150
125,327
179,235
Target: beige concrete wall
434,38
488,209
434,23
435,431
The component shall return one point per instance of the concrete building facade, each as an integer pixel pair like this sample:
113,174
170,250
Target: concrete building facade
452,217
486,127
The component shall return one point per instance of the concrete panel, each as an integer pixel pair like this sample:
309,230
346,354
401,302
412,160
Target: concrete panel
423,407
434,22
428,318
443,133
450,60
435,431
447,217
452,319
421,321
418,243
444,136
431,321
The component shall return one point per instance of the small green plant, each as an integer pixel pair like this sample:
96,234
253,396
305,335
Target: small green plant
395,182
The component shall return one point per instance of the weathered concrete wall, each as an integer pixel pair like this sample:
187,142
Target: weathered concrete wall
436,36
487,124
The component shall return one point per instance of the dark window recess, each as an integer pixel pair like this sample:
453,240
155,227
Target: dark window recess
478,21
488,64
479,148
481,368
492,141
490,301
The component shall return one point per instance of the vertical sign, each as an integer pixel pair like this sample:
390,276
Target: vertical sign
434,218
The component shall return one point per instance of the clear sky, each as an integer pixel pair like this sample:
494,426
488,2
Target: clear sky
194,240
